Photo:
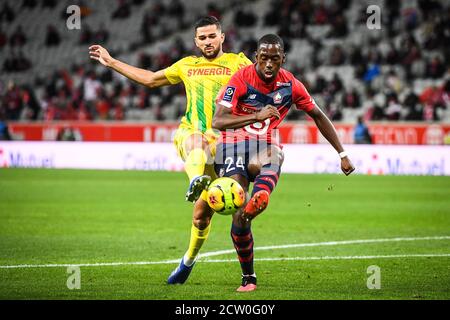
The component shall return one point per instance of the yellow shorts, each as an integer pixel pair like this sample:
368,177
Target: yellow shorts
183,132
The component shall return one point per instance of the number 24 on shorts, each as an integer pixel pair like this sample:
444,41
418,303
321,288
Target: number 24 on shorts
231,165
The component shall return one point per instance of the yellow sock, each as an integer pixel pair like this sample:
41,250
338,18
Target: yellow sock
198,237
195,163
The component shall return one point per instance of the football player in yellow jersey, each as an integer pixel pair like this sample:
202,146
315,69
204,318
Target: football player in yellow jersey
195,141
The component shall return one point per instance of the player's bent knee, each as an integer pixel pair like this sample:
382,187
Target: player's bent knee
201,223
202,214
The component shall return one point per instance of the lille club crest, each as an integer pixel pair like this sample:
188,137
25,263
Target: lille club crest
277,98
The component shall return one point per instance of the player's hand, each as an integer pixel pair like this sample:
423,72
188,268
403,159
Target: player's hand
347,166
100,54
267,112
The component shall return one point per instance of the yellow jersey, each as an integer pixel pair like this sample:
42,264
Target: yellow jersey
202,80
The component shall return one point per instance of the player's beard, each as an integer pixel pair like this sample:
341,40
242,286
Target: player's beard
211,54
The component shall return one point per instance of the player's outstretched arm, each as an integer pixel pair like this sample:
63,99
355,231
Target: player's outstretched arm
225,119
329,132
141,76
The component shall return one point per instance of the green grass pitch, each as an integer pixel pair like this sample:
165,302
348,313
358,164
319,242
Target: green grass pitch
86,217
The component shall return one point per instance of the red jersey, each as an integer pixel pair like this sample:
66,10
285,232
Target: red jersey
246,93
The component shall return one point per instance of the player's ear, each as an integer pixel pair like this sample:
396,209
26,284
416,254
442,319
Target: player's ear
284,58
223,37
195,41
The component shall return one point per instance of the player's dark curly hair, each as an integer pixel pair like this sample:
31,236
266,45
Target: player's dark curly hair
271,39
207,21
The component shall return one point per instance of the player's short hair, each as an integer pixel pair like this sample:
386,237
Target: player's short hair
207,21
271,39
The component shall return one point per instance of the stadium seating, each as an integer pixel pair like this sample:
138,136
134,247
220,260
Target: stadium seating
126,42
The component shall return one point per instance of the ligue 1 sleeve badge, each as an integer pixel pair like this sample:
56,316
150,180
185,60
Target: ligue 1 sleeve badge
229,93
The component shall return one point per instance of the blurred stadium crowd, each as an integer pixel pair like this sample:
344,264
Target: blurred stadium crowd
398,72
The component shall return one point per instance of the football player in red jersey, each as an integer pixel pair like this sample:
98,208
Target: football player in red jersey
249,109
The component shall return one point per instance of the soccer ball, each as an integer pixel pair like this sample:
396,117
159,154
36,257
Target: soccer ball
225,196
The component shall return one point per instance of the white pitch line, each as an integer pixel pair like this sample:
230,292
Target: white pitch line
99,264
215,253
328,243
425,255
